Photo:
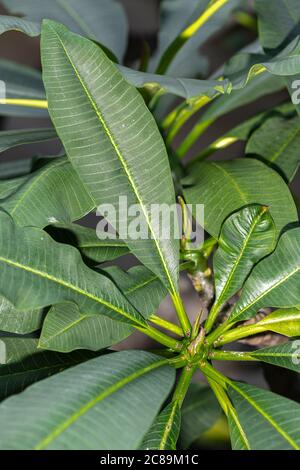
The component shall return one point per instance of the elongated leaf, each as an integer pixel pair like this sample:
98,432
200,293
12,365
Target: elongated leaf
101,20
13,23
277,142
285,355
114,143
111,403
238,437
66,328
20,322
44,272
9,139
274,282
50,195
21,82
270,421
187,88
238,183
285,322
22,364
93,249
246,237
279,27
164,432
13,169
200,411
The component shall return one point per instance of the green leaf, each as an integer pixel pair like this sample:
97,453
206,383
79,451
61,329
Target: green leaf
277,142
22,364
103,21
114,139
50,195
20,322
93,249
246,237
13,23
21,82
238,183
270,421
238,437
285,355
274,282
164,432
9,139
42,270
186,88
111,403
279,27
285,322
66,328
200,411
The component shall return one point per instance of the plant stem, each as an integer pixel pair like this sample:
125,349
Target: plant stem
177,44
219,144
241,332
183,384
161,338
42,104
231,356
166,325
214,336
182,315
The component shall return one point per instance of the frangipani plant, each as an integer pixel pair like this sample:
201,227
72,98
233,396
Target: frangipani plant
117,132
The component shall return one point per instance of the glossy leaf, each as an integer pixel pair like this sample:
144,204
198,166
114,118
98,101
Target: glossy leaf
238,183
22,364
270,421
277,142
111,403
246,237
200,411
66,328
285,355
50,195
20,322
9,139
101,20
93,249
285,322
164,432
274,282
114,139
42,270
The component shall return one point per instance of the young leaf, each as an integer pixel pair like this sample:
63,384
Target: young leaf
277,142
93,249
13,23
114,139
246,237
200,411
284,355
24,364
238,183
39,200
270,421
111,403
42,270
9,139
20,322
285,322
164,432
65,329
274,282
103,21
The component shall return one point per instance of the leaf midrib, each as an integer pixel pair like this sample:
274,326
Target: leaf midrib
66,284
122,161
106,393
